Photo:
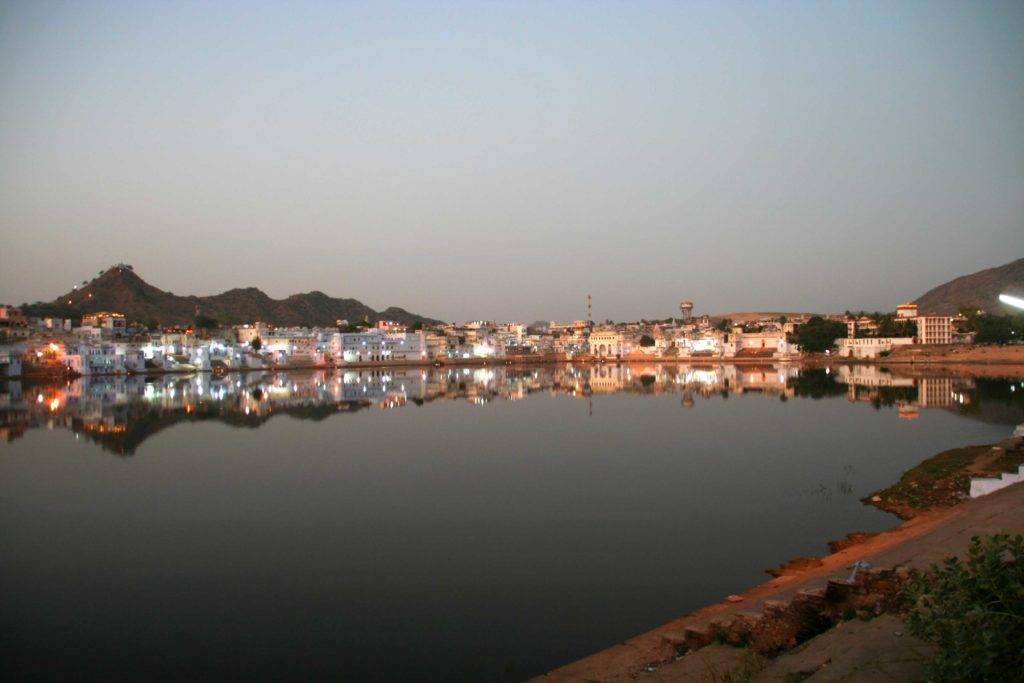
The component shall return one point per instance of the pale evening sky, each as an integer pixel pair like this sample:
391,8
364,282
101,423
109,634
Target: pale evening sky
503,160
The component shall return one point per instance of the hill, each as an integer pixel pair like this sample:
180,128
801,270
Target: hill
978,290
738,317
120,289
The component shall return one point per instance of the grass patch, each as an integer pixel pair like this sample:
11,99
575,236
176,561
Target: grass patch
944,479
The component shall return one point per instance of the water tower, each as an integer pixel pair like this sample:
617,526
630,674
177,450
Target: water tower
686,308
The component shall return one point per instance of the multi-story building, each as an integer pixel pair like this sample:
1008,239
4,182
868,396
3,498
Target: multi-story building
390,326
246,333
110,324
13,324
10,361
934,329
375,346
906,311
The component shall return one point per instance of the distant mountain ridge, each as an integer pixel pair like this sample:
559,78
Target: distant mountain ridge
120,289
977,290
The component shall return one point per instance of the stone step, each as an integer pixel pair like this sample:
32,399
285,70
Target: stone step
697,637
811,595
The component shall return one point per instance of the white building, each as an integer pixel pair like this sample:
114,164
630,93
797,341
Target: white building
767,343
870,347
607,344
110,325
906,311
10,361
934,329
377,346
701,346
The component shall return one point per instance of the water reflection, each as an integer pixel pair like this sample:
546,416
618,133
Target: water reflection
491,523
120,412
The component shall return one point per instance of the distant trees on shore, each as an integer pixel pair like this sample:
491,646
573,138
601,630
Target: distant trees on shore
818,334
994,329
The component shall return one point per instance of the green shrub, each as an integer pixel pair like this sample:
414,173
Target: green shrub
973,611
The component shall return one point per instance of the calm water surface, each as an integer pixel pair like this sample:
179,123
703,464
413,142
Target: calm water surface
456,524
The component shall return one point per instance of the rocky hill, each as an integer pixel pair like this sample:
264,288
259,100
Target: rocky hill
120,289
978,290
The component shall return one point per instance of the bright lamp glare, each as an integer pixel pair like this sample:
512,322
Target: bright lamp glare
1012,300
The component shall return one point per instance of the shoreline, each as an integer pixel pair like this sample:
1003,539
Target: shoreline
806,579
955,359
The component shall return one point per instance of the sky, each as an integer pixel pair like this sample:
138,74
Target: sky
503,160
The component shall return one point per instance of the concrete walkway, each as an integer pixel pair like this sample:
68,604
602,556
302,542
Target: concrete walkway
878,651
917,543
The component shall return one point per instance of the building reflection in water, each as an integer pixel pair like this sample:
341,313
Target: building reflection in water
120,412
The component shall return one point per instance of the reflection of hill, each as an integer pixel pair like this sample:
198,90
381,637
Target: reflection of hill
146,422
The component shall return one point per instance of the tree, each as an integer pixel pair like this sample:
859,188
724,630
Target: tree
818,334
417,326
723,325
995,329
205,322
890,326
152,324
256,343
646,340
973,611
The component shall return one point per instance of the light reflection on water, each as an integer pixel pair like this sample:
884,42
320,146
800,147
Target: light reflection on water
449,524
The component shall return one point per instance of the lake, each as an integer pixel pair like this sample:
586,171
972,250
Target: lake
478,524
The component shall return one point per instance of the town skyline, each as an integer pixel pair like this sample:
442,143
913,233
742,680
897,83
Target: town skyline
77,296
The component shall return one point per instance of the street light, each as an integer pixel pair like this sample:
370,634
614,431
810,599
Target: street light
1014,301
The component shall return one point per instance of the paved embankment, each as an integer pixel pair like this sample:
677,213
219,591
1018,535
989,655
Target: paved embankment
915,544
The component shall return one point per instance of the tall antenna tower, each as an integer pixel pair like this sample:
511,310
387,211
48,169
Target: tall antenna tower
590,311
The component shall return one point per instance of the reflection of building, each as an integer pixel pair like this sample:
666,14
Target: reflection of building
872,384
120,411
606,379
907,411
858,377
935,392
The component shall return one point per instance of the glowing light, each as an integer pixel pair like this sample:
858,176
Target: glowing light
1014,301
